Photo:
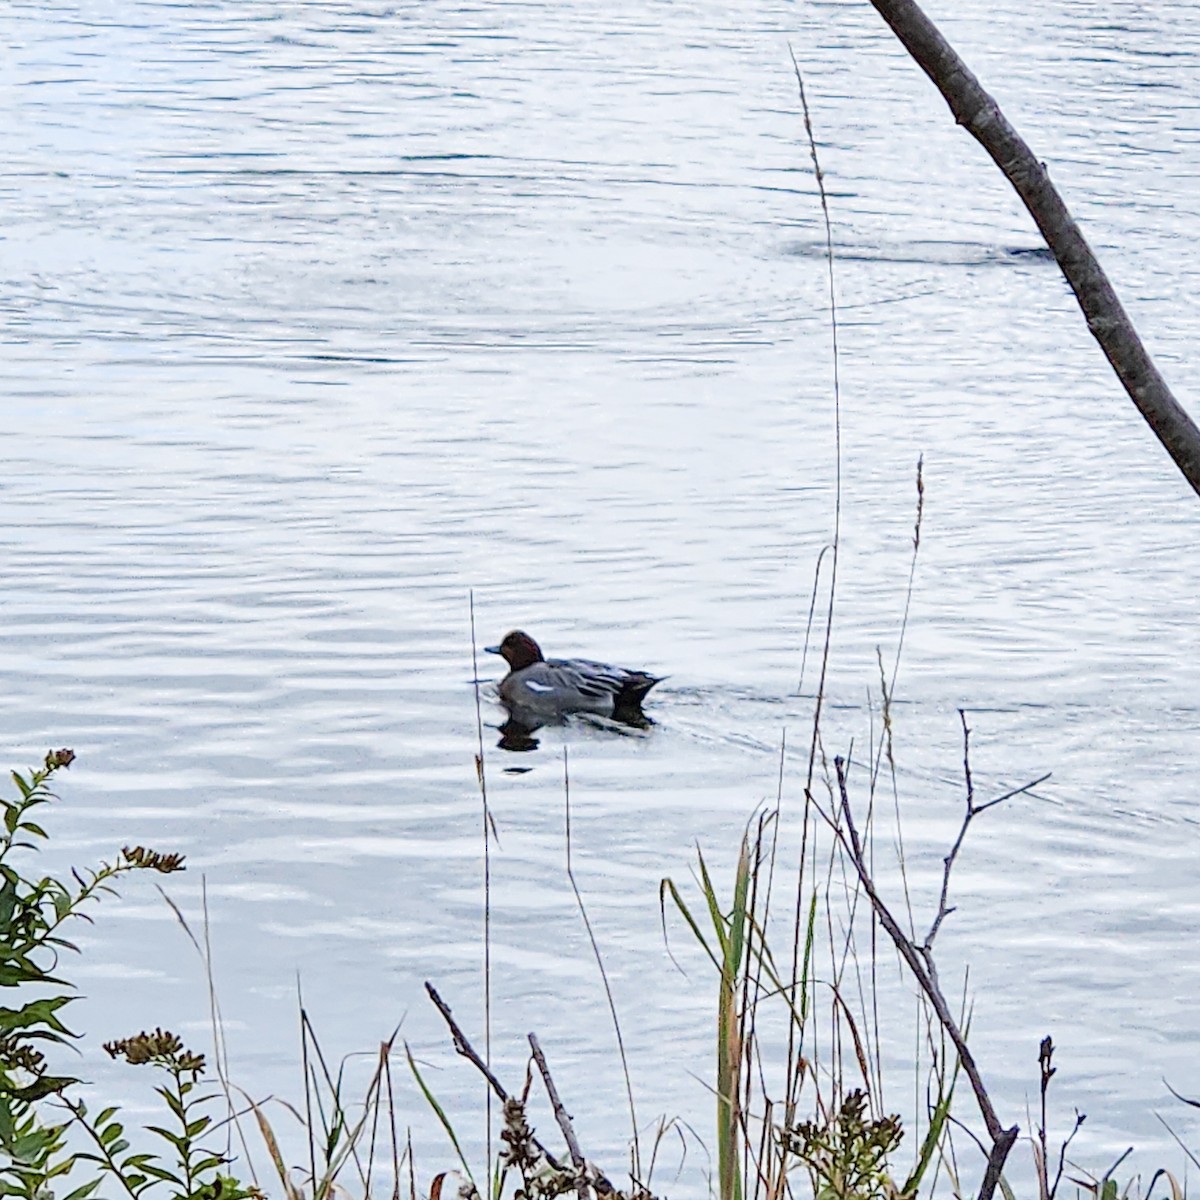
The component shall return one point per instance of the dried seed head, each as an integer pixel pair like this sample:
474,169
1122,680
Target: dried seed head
162,1048
16,1053
152,860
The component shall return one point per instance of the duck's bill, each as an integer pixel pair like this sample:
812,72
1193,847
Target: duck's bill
491,649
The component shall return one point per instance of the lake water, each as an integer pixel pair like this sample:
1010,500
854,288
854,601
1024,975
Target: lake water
318,316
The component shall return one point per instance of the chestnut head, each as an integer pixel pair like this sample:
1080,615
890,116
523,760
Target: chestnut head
518,649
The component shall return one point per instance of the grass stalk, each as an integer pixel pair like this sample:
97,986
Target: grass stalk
481,775
635,1144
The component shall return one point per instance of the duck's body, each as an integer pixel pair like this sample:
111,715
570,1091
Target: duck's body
557,686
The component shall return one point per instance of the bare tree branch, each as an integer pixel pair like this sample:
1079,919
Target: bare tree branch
980,115
944,909
464,1047
920,962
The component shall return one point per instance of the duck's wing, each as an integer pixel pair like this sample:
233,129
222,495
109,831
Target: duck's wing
594,680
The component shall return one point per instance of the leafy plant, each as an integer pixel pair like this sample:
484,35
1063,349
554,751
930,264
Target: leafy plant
196,1174
34,1154
847,1152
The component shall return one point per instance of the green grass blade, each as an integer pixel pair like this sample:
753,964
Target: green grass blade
440,1113
714,906
668,885
729,1042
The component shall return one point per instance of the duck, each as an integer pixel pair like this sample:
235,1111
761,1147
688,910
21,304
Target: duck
556,687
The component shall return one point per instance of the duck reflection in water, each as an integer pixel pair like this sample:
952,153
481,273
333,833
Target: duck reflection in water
538,691
517,732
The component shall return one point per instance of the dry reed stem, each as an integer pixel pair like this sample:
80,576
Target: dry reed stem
635,1145
481,775
793,1080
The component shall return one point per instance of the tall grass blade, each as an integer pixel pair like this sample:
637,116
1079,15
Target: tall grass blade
272,1144
933,1137
440,1113
668,886
729,1041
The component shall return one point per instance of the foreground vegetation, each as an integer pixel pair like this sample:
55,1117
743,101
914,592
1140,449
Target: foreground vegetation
796,1083
36,1159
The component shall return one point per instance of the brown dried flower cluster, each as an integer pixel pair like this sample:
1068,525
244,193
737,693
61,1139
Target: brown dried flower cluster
163,1048
16,1053
139,856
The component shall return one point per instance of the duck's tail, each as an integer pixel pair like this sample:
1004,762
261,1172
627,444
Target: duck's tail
633,691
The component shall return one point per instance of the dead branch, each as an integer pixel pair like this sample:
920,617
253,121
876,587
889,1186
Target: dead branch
464,1047
980,115
1193,1103
562,1117
944,909
1046,1189
920,961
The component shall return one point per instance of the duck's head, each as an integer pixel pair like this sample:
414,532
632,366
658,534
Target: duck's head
518,649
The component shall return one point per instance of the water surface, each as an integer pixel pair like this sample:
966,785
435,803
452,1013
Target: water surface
317,317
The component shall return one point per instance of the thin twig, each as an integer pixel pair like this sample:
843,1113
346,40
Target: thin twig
1017,791
1042,1159
1184,1099
944,908
1178,1140
1048,1071
1062,1152
977,112
562,1117
463,1046
920,961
